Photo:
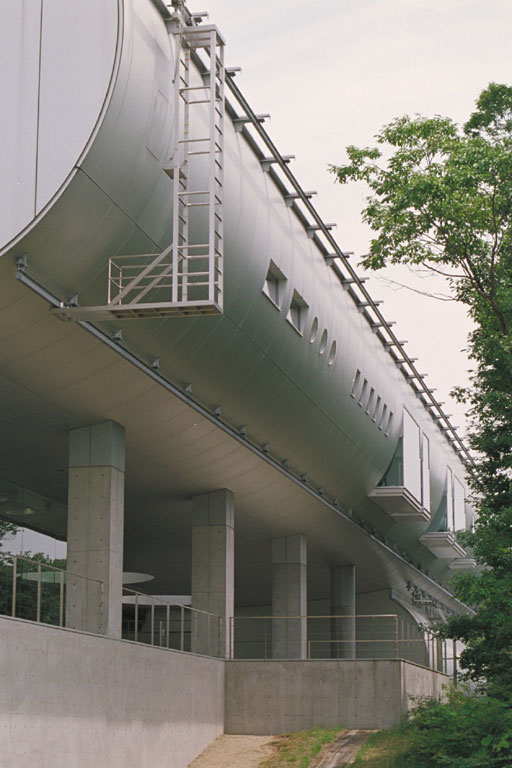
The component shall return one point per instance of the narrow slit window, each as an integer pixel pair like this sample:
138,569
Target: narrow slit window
355,384
377,408
388,425
363,392
383,416
369,404
275,285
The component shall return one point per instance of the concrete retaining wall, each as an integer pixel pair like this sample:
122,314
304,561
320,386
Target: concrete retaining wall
73,700
265,697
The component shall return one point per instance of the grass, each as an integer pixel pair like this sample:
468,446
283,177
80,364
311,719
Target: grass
297,750
382,749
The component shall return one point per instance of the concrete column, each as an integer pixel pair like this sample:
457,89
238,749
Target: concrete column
213,576
343,603
94,584
289,597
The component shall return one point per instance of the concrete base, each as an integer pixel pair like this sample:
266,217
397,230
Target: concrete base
270,697
76,700
73,700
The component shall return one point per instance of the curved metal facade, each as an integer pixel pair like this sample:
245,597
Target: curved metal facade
105,126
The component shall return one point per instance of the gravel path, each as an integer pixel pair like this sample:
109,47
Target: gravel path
250,751
235,752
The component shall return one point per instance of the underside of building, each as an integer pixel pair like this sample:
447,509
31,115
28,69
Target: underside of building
253,492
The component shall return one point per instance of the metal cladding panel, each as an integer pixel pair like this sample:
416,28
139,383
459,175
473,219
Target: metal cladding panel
78,50
251,361
127,159
20,30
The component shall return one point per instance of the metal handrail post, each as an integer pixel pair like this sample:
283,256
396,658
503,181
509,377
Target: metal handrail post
61,600
14,578
152,623
182,628
38,601
168,625
136,628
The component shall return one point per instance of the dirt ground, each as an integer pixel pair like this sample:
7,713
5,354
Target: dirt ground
235,752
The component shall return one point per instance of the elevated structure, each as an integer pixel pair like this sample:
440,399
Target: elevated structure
178,320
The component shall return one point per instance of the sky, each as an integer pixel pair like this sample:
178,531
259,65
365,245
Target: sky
331,73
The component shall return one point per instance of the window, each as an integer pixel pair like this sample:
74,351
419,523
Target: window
332,353
377,408
314,331
355,384
369,404
459,511
425,472
323,342
412,460
297,312
363,392
388,425
382,419
275,285
449,499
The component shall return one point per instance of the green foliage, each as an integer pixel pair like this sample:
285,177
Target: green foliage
467,731
443,200
297,750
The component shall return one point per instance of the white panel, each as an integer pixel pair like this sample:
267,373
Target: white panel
412,460
425,472
459,512
78,51
449,499
20,26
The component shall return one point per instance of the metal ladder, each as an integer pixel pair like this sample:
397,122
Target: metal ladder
187,277
198,266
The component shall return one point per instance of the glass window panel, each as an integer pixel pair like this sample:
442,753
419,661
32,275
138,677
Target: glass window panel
459,512
425,472
449,499
412,460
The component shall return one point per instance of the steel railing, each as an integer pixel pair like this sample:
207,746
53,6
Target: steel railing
371,636
155,621
37,591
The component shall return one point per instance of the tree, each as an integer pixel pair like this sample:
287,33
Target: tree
443,200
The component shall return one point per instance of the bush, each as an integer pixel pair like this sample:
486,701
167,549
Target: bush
466,731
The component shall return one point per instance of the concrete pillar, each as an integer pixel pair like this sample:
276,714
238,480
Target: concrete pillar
213,577
94,584
289,597
343,603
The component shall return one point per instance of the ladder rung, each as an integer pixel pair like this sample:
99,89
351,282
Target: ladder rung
194,88
198,192
198,101
190,141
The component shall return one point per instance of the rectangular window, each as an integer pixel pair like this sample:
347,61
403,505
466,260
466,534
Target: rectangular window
355,384
425,472
363,392
449,500
275,285
297,312
377,408
459,511
369,404
382,419
388,425
412,460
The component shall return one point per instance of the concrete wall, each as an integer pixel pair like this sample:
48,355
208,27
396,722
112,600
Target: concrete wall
264,697
73,700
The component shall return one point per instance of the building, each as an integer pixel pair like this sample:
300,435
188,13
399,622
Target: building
198,393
